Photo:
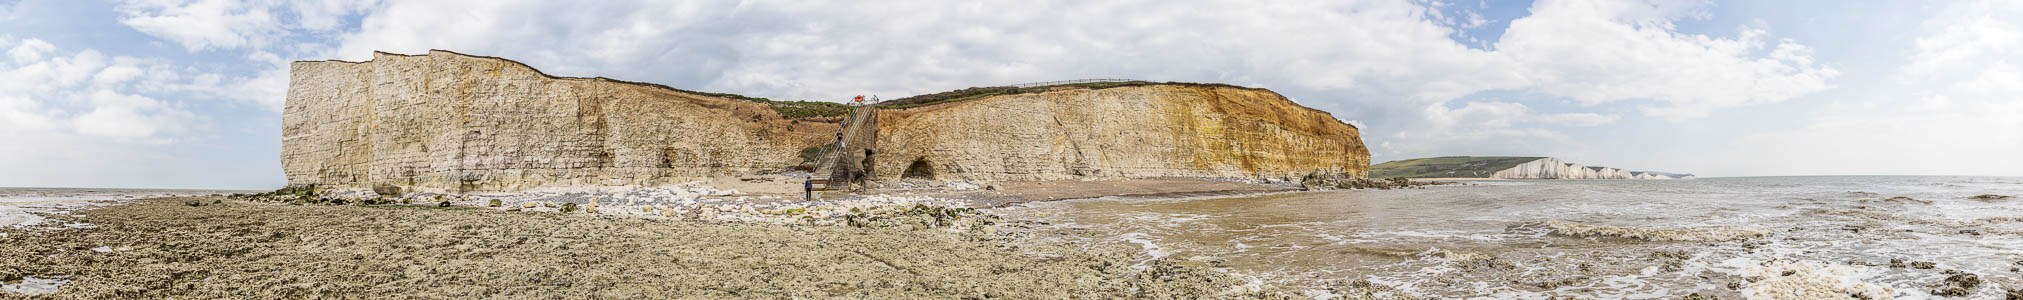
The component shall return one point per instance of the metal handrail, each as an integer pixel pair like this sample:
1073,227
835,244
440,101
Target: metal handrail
830,157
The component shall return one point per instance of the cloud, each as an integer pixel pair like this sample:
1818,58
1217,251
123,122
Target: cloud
1393,64
1599,52
203,24
257,27
124,116
1378,61
116,74
1578,119
1509,114
228,24
1952,110
57,106
30,50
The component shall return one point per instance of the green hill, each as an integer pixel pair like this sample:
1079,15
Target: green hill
1450,166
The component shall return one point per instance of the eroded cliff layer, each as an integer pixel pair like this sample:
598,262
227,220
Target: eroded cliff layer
1159,130
457,122
461,122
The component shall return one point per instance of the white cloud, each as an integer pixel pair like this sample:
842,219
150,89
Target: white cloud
1585,50
51,99
1488,128
123,116
228,24
1510,114
117,74
30,50
1578,119
21,113
50,73
1952,110
203,24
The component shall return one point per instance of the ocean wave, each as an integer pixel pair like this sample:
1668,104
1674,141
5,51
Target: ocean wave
1563,228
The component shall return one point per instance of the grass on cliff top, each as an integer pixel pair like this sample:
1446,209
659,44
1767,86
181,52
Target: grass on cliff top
980,92
807,109
788,109
1450,166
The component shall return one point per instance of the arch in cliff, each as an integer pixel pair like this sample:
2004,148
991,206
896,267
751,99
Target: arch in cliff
919,169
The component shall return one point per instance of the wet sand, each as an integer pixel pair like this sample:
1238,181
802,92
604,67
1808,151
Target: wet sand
165,247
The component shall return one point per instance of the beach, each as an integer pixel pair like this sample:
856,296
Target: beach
1718,238
214,247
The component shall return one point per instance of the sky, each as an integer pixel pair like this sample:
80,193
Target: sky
188,93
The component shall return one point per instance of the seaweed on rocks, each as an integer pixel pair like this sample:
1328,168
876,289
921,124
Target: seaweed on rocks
1906,199
1957,284
1990,197
1322,180
1923,265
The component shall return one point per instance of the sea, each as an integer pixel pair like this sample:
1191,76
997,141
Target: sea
28,206
1830,237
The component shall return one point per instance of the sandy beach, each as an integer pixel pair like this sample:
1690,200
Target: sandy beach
213,247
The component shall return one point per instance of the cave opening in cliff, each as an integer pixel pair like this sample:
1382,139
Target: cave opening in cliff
920,169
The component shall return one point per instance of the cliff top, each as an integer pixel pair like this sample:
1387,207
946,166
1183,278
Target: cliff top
1449,166
1675,175
834,110
974,93
787,109
987,91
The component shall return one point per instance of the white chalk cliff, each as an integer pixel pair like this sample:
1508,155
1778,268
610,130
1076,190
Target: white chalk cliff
1554,168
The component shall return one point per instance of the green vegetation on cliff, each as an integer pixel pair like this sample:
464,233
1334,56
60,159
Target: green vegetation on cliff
1450,166
807,109
980,92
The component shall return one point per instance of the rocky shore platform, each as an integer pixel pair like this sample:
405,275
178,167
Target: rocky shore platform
220,247
748,238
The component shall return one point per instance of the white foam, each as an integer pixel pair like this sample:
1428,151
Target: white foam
1145,241
1810,280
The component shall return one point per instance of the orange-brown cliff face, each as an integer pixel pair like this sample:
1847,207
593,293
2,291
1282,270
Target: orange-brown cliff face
466,123
1158,130
460,122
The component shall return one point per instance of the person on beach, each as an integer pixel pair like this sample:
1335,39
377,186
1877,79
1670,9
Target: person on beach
808,189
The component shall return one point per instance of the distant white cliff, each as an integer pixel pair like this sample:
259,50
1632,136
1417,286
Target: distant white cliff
1554,168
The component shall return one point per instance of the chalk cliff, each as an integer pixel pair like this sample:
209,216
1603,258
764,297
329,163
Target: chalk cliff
1554,168
1507,168
1122,132
458,122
